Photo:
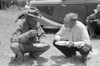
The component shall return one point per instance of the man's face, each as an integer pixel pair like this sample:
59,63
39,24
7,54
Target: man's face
32,20
69,22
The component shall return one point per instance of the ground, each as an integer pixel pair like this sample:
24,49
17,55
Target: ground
52,57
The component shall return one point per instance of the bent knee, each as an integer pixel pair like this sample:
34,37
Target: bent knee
14,46
85,49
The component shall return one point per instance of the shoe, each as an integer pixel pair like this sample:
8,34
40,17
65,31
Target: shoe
84,59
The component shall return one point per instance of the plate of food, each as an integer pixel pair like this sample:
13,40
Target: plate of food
62,43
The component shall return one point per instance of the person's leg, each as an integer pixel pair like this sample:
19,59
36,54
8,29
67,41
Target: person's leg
18,41
84,51
37,49
18,50
68,52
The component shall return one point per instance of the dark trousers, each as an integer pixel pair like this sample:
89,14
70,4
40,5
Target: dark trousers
94,28
69,52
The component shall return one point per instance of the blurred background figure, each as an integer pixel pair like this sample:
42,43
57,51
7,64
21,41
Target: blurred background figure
93,22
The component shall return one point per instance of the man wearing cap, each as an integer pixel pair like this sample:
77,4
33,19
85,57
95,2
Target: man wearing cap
73,36
93,22
28,36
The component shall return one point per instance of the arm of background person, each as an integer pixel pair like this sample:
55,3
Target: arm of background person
20,37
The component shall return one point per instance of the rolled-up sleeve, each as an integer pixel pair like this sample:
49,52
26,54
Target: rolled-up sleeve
61,31
14,37
59,34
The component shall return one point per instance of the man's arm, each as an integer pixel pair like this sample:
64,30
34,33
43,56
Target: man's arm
85,38
91,17
20,37
14,37
59,34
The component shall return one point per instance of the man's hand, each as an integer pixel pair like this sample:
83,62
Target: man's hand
70,44
57,38
79,44
33,33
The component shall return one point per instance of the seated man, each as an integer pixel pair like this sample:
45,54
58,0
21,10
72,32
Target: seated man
28,36
76,37
93,23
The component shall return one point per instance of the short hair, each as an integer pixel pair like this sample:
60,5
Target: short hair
72,16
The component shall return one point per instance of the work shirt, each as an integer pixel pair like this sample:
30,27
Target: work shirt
22,27
77,33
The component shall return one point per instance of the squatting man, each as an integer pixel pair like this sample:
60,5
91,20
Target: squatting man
28,36
73,36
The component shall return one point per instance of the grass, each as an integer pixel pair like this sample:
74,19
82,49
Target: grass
52,57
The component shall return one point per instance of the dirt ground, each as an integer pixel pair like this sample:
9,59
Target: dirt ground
52,57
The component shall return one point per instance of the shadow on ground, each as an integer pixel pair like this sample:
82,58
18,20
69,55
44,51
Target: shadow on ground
29,62
63,61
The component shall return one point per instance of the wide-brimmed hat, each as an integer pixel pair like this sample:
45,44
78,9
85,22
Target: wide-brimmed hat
97,9
34,12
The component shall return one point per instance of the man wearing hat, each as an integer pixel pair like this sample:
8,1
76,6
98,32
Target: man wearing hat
28,36
73,36
93,22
